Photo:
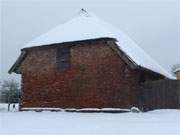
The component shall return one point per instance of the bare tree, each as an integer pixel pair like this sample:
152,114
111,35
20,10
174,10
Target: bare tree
175,67
10,91
0,92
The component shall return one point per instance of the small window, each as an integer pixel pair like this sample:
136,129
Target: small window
63,58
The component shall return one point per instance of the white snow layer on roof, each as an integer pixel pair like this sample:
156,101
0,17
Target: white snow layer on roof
88,26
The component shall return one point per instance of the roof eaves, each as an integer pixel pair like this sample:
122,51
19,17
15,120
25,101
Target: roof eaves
16,65
123,55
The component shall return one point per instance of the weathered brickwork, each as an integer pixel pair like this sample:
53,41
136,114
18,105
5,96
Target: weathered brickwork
97,78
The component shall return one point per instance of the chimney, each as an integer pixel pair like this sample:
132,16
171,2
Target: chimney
177,72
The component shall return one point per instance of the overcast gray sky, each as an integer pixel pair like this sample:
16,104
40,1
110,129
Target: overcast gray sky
153,24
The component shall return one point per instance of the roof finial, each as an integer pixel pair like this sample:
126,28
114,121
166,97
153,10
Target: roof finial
84,12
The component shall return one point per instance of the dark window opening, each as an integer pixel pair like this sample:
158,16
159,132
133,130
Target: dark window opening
63,58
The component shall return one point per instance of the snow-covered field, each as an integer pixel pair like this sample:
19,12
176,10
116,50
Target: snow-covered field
159,122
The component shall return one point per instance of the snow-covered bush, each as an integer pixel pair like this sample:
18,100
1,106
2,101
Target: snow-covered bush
135,110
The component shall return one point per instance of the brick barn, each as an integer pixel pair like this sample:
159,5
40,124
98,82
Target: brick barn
84,63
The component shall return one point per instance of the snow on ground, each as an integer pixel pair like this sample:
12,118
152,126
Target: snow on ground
158,122
4,107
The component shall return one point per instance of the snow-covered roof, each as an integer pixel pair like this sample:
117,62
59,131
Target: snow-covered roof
86,26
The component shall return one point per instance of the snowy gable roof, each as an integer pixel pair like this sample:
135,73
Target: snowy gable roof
88,26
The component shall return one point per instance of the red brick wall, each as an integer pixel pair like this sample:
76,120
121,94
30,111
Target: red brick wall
95,79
